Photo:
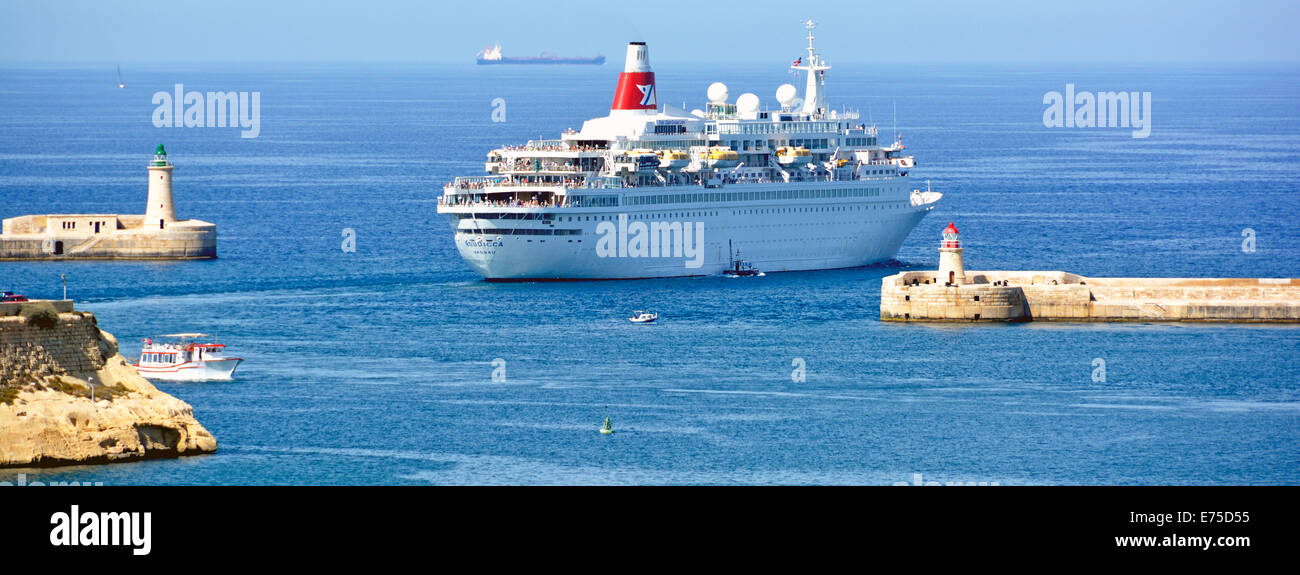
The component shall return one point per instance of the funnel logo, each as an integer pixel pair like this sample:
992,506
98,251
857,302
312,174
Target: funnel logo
647,95
636,91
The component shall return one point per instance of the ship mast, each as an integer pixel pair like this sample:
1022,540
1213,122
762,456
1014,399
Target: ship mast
814,102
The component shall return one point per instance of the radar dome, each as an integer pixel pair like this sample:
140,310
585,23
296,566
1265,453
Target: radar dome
718,93
786,95
747,103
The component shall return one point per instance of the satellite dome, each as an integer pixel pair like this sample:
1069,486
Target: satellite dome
747,103
718,93
786,95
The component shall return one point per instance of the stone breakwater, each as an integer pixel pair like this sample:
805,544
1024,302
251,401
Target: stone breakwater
27,238
68,397
1061,296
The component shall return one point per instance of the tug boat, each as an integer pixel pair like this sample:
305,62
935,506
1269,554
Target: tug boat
186,357
643,317
740,268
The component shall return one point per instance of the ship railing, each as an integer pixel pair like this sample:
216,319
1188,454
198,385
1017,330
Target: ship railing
507,184
526,165
478,182
603,183
499,204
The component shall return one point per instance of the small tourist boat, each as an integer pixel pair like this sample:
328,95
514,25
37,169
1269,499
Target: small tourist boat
186,357
643,317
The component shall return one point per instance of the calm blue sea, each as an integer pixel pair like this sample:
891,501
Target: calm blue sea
375,367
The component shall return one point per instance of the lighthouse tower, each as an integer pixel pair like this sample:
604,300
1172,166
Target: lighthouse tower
159,212
951,269
635,94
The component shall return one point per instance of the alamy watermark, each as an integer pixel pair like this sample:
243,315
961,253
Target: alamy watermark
21,481
498,370
1098,110
1098,370
659,239
349,241
77,528
918,481
1248,241
498,110
209,110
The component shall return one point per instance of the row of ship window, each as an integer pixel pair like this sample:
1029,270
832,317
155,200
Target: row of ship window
522,232
606,201
159,357
778,128
660,216
855,208
753,196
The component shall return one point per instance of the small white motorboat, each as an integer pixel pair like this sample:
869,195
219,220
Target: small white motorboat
186,357
643,317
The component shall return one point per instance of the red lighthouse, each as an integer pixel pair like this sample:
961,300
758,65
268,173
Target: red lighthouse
950,239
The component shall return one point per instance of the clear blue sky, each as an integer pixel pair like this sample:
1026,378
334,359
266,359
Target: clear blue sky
862,30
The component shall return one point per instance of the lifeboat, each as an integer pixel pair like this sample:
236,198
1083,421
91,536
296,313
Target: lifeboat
790,155
644,160
720,157
673,159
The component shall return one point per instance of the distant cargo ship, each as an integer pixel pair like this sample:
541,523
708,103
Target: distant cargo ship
493,56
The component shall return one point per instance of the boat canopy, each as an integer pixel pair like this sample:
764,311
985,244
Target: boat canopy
186,335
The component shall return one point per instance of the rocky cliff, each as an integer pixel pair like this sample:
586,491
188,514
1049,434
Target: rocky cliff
68,397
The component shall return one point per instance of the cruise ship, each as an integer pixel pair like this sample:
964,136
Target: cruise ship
650,191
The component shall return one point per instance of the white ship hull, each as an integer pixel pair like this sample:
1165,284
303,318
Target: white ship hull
205,370
773,236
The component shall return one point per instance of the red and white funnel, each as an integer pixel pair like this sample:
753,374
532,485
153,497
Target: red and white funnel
636,85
